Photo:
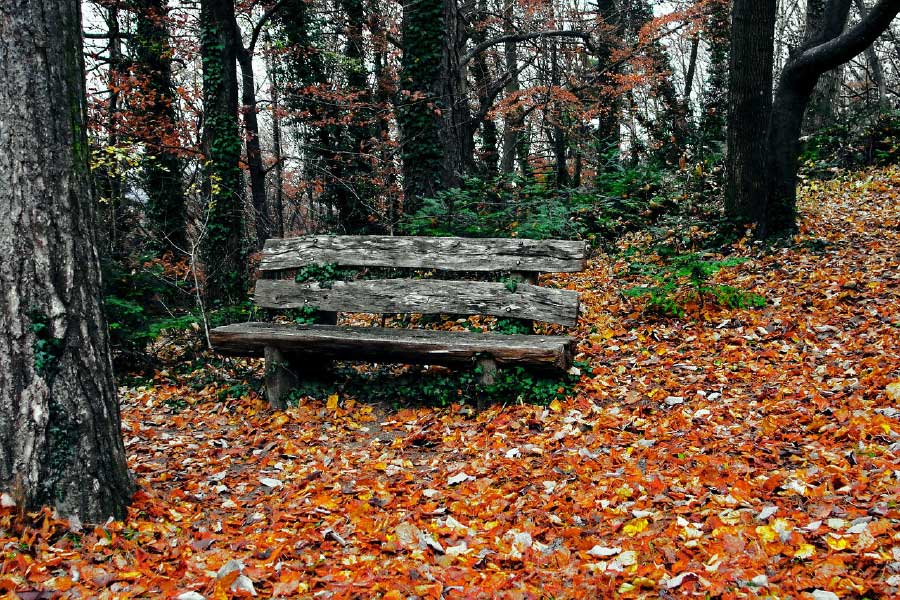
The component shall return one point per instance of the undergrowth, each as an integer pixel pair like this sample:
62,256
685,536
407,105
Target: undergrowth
682,280
438,387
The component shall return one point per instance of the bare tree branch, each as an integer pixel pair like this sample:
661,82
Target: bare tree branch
522,37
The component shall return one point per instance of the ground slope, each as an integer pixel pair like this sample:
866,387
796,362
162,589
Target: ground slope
733,453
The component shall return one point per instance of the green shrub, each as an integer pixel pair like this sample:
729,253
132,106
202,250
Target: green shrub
443,388
681,279
861,140
142,302
504,208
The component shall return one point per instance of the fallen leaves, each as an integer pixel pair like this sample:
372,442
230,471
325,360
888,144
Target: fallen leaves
742,454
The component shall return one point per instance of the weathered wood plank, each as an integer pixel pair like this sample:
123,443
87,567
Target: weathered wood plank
426,296
450,253
385,345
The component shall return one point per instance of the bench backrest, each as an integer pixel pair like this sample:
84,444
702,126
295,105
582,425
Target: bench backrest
426,296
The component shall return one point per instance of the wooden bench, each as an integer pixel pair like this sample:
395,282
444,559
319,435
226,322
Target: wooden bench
294,351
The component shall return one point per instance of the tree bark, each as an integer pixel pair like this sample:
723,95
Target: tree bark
607,137
830,47
434,112
559,135
60,440
355,197
221,251
749,107
514,120
278,196
252,146
481,73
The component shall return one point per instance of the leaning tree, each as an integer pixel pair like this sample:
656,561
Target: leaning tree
830,45
764,133
60,442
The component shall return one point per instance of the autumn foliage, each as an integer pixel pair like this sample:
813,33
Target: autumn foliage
736,453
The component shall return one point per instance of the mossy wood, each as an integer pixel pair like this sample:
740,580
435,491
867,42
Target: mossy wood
294,352
447,253
390,345
425,296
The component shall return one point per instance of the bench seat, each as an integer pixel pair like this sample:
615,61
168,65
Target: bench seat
389,345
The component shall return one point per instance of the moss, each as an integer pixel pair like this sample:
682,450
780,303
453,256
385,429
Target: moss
46,349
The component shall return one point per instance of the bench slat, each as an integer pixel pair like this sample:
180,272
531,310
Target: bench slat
386,345
426,296
450,253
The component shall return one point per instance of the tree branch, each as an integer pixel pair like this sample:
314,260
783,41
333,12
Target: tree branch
838,50
257,29
522,37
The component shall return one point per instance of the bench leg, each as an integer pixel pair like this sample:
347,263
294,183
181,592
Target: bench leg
281,377
285,371
488,367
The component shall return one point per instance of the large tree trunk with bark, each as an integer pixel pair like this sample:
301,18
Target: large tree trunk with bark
60,440
221,249
433,110
749,106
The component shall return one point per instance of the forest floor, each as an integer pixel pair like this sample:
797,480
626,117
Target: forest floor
729,453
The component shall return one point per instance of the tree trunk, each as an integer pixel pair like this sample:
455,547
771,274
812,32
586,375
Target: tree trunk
607,136
481,73
221,250
251,143
559,137
356,196
514,119
60,440
749,107
107,179
783,145
433,111
278,196
154,101
827,49
385,89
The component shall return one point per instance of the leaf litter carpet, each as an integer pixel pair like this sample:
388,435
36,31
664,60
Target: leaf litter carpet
731,454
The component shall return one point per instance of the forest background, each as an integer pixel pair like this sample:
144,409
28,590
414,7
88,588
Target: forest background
215,125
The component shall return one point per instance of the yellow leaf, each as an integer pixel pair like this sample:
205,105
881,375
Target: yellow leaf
332,402
555,406
635,526
625,491
766,533
837,543
804,551
893,391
